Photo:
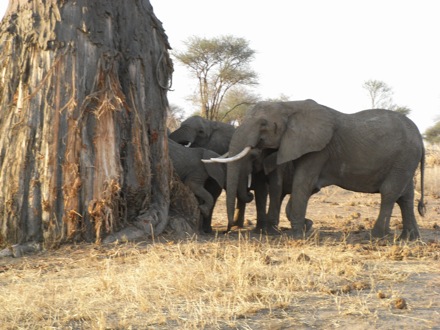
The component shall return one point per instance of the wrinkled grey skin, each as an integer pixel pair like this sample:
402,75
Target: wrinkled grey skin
206,181
269,180
372,151
204,133
215,136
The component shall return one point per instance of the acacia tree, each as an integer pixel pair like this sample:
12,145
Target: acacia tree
218,64
432,134
83,98
235,105
381,96
380,93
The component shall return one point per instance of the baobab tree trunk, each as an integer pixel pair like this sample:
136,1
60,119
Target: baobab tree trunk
83,149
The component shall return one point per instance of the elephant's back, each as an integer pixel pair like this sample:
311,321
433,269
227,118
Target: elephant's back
386,126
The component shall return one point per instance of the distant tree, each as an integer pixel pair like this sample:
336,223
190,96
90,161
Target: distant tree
235,105
404,110
432,134
175,115
380,94
280,98
219,64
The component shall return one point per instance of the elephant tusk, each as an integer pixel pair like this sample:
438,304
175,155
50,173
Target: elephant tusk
249,180
213,161
188,145
220,159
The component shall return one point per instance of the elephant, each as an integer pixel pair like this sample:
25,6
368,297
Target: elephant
268,180
371,151
206,181
203,133
199,132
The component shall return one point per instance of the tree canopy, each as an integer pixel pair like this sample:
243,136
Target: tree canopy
432,134
218,64
380,93
381,96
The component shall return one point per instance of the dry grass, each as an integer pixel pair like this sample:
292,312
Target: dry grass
336,278
227,282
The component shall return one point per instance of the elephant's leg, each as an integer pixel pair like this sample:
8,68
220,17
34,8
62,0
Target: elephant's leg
260,189
296,213
406,203
381,227
297,206
275,200
390,191
305,183
200,192
214,190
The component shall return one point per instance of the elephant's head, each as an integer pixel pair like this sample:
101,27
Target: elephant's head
194,131
203,133
292,128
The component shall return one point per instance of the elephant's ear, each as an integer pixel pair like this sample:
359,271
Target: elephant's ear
217,171
307,130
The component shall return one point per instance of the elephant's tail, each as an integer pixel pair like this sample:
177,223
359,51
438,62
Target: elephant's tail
421,206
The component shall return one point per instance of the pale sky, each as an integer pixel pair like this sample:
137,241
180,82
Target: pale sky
320,49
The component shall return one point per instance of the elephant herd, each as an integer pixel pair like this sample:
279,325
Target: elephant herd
296,148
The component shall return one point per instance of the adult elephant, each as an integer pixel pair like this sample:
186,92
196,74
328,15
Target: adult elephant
206,181
372,151
269,180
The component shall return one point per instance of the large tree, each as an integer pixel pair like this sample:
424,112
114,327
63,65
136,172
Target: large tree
218,64
83,99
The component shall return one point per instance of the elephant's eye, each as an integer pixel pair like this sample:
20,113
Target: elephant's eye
264,123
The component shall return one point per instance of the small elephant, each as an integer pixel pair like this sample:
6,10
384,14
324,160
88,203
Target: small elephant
206,181
203,133
371,151
198,132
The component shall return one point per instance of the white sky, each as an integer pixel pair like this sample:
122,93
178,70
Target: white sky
321,49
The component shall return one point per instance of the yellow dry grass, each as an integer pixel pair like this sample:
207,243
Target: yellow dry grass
338,277
228,282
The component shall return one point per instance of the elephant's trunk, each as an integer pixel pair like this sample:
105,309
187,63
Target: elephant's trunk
237,171
232,175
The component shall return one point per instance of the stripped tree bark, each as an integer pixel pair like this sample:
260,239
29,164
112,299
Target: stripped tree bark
83,99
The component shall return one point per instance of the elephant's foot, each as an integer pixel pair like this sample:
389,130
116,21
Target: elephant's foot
272,230
409,234
378,232
267,230
238,223
299,233
207,230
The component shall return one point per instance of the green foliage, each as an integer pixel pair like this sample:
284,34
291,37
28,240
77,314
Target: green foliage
404,110
218,64
432,134
235,105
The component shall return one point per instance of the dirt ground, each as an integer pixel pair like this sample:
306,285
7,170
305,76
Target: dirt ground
374,284
343,218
